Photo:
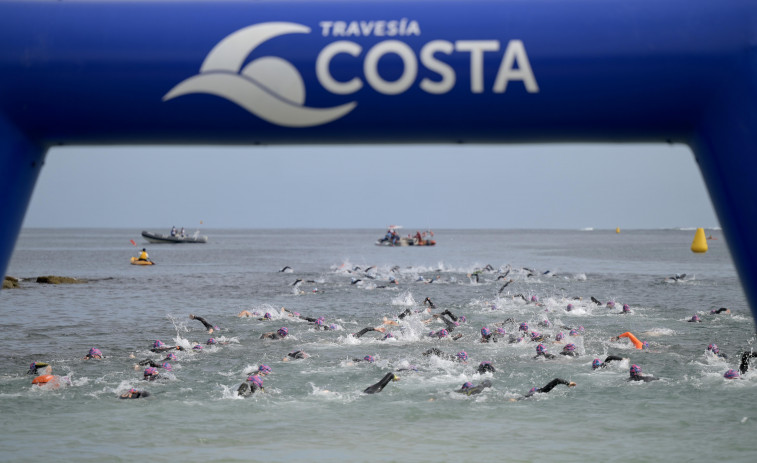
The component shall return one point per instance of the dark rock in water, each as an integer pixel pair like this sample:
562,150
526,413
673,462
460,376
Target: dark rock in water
10,282
58,280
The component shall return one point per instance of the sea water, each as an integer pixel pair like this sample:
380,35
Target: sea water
314,409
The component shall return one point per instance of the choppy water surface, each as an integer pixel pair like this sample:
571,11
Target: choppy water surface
314,409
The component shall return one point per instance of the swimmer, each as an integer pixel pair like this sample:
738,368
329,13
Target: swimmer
94,353
715,350
296,355
134,394
264,370
638,344
486,367
286,269
487,335
732,374
380,329
208,326
720,310
266,317
694,319
507,283
35,366
676,277
538,337
635,375
745,359
245,313
596,363
626,308
158,346
253,384
559,337
550,385
541,351
569,308
595,300
569,350
151,374
367,358
438,353
610,304
153,364
469,389
281,333
378,387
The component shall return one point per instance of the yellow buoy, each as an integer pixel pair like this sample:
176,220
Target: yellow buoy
700,242
617,230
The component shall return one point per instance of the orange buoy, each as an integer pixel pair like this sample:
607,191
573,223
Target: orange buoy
44,379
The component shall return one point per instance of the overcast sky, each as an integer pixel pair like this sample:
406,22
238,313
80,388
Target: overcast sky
429,186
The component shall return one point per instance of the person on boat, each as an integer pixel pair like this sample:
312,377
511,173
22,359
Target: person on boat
181,233
378,387
173,230
143,255
419,239
281,333
207,325
134,394
253,384
636,375
596,363
469,389
94,353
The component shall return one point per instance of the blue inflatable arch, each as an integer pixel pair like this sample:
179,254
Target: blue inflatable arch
372,71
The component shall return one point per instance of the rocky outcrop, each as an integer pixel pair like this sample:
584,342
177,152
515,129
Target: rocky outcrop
58,280
10,282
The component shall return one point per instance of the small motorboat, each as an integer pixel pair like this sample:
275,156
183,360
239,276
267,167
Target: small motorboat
393,239
161,238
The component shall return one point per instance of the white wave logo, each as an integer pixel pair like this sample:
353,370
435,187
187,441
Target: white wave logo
268,87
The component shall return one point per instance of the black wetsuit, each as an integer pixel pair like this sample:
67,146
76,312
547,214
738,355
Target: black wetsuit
483,367
569,353
546,355
363,331
430,304
438,353
208,326
719,311
551,385
404,314
476,389
166,348
609,359
645,378
378,387
491,337
297,354
745,358
594,300
248,388
136,395
151,363
271,336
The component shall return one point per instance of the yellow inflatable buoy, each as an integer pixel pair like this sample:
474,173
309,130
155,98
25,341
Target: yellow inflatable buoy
617,230
700,242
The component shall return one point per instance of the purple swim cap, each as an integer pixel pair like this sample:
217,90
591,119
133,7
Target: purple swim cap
158,344
523,326
171,356
95,352
573,332
540,349
264,369
133,391
731,374
559,336
369,358
333,326
467,385
388,335
462,356
442,333
534,389
713,348
596,364
645,345
461,318
581,328
626,308
569,347
695,318
534,299
501,331
635,371
267,315
569,308
167,366
283,331
547,323
485,331
320,321
197,347
535,334
611,304
150,371
256,380
212,341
